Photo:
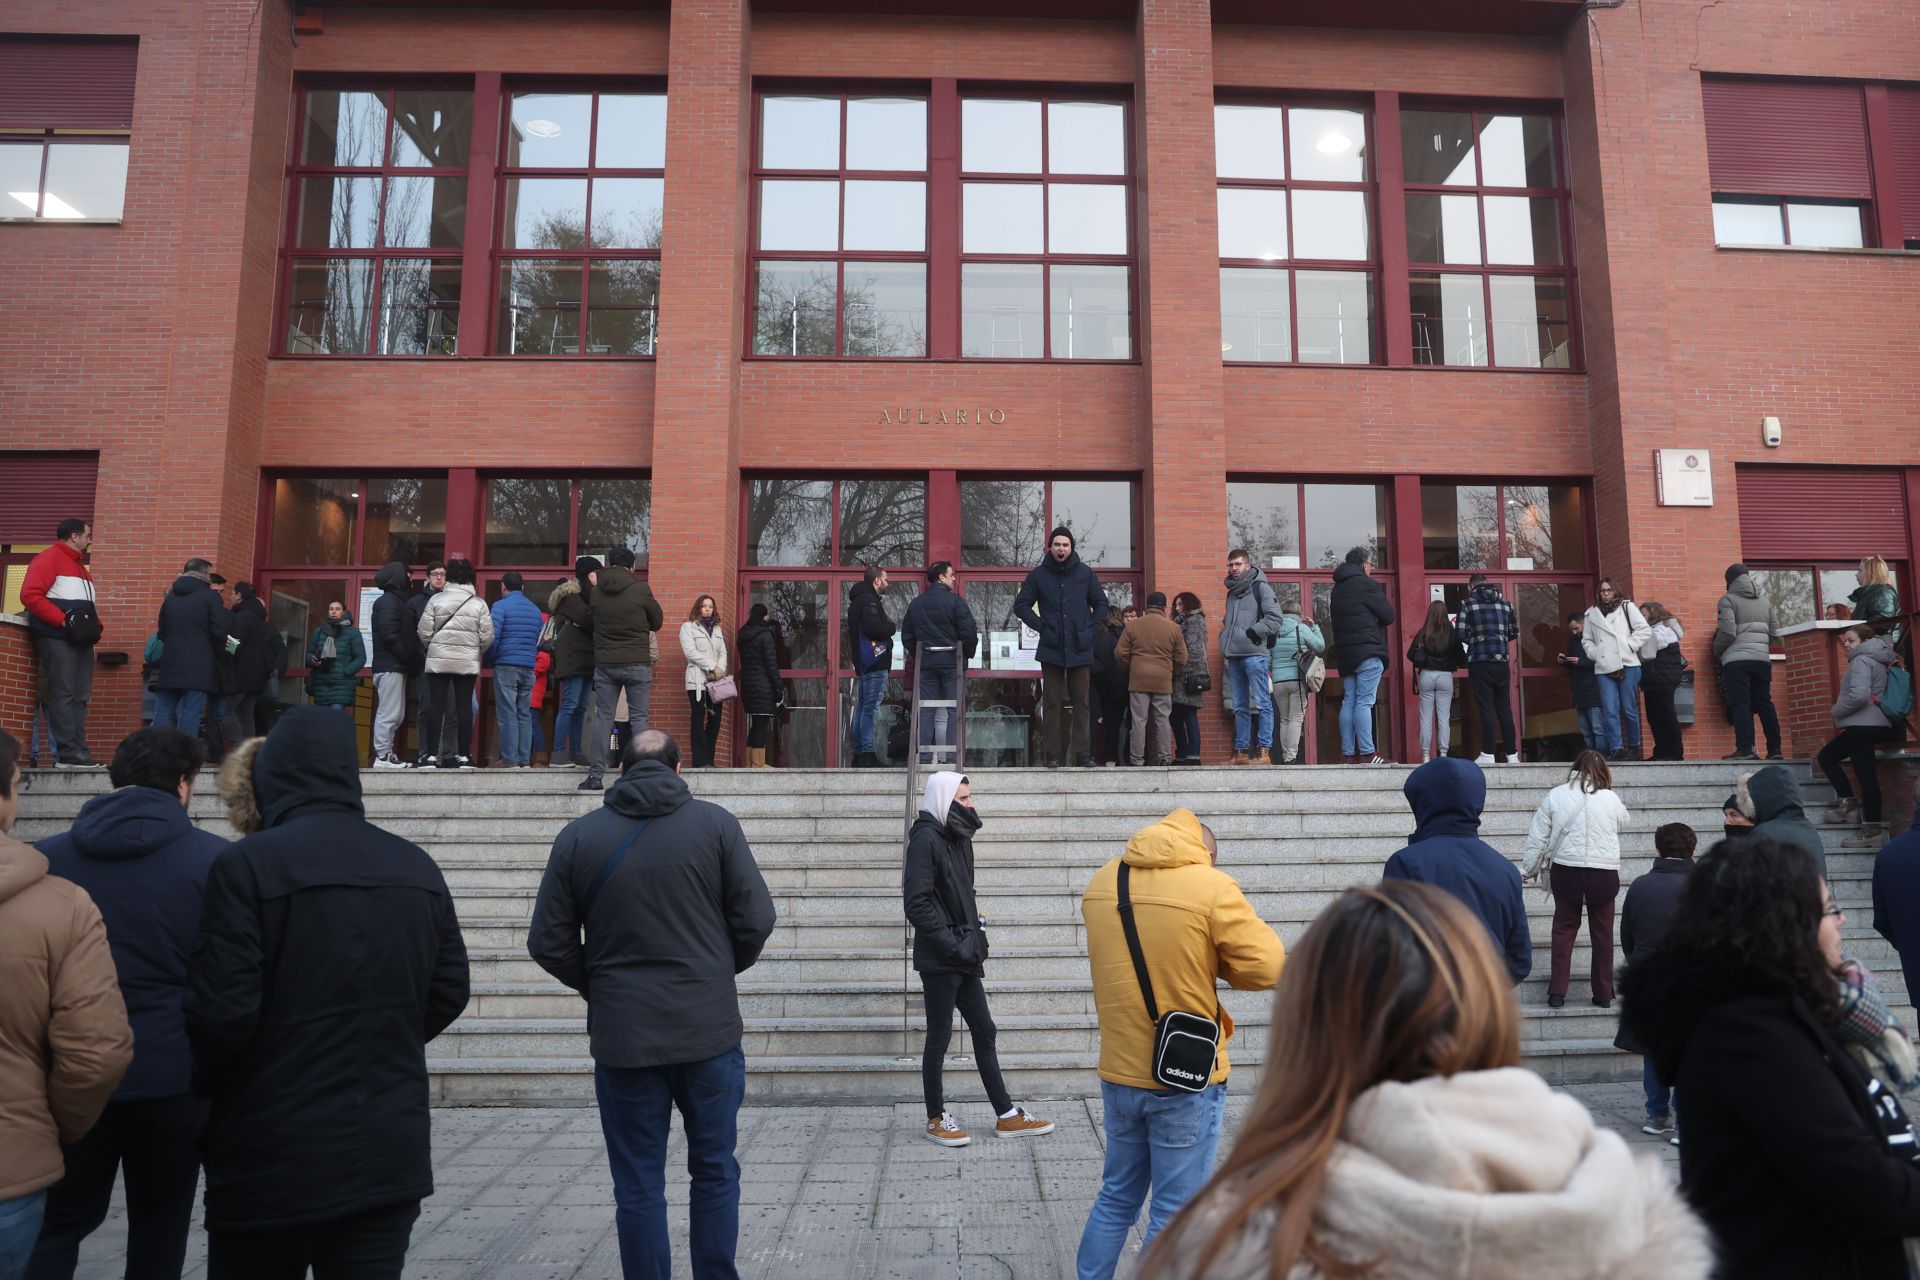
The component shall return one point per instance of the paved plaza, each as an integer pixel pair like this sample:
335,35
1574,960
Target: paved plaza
836,1192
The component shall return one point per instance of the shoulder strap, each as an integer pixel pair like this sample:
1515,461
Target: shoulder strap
1133,948
608,867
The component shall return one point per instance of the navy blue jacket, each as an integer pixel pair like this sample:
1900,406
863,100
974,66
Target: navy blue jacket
939,617
1896,899
1062,600
516,631
193,635
144,864
1446,851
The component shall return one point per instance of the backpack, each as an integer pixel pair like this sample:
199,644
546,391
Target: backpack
151,654
1897,699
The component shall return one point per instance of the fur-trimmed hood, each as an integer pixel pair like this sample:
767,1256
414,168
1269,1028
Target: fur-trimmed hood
561,592
1487,1174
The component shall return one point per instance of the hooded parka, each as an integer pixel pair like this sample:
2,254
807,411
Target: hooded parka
1446,851
1771,798
624,616
328,956
1062,600
193,634
396,646
760,683
936,882
1745,631
1361,614
254,663
1860,690
1195,926
573,634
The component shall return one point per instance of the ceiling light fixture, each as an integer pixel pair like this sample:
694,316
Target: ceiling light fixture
1333,142
543,128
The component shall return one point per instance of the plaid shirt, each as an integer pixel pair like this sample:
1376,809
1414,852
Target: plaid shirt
1487,624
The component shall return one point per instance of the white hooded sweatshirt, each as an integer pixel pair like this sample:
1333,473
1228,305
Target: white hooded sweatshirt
1487,1175
940,791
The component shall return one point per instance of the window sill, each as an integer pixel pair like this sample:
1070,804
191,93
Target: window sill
924,360
1528,370
316,358
63,222
1819,249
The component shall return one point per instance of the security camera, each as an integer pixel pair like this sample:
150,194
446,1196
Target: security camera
1770,432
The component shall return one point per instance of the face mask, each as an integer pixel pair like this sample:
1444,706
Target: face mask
962,821
1734,833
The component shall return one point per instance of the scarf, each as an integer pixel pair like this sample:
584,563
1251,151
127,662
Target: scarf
1609,607
709,624
1871,1032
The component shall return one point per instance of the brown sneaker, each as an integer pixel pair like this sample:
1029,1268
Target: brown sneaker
948,1134
1022,1124
1261,757
1240,757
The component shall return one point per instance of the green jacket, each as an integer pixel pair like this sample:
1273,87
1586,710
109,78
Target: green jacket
1283,658
337,685
622,612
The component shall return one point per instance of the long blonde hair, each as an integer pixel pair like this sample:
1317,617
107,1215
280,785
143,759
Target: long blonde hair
1396,982
1874,573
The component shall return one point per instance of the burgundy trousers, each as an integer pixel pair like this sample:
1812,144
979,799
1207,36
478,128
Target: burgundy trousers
1577,890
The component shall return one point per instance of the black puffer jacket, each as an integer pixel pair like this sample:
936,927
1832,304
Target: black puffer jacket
1062,600
1108,674
867,617
759,658
328,955
193,633
396,644
572,639
1361,615
254,662
937,885
1795,1158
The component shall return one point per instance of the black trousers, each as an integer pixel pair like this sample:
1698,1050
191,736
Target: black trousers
236,720
367,1246
1489,682
966,992
1748,687
706,726
758,727
153,1140
1857,743
1112,700
1186,732
449,700
1067,743
1665,723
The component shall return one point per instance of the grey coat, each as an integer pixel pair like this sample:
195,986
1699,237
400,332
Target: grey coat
1250,606
1193,629
1860,690
1746,631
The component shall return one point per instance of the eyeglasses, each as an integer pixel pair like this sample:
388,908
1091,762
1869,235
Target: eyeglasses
1833,909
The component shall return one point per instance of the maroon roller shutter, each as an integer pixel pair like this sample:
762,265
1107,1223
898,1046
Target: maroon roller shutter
1787,138
1822,513
39,490
1903,109
66,82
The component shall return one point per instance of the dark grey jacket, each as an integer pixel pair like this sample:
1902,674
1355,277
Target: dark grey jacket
683,913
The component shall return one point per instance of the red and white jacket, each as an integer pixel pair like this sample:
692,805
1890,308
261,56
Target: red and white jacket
55,578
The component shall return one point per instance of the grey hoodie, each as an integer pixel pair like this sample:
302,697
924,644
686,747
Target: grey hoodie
1746,630
1250,604
1860,690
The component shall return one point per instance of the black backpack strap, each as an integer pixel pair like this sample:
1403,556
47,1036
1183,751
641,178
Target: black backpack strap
1133,948
608,867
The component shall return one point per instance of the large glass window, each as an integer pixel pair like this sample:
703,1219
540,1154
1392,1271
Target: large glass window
1513,527
349,520
800,522
582,179
1268,519
1004,523
62,177
379,195
840,226
547,521
1046,235
1297,257
1486,212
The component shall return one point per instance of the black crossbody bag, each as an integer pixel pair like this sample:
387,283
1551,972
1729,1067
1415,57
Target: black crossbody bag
1185,1045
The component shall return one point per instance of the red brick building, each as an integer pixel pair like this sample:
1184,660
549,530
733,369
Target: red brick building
769,291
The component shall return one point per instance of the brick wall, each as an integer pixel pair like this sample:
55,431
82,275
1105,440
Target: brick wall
17,681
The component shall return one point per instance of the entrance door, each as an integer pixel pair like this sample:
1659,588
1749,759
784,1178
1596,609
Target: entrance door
1539,692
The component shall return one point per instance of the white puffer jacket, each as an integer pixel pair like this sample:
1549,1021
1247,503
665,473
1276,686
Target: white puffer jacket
1614,640
706,654
1486,1175
1575,827
456,627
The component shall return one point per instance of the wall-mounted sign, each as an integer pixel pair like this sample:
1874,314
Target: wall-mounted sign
941,417
1685,477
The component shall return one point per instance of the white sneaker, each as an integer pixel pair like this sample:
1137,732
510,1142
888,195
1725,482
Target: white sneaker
389,762
1484,759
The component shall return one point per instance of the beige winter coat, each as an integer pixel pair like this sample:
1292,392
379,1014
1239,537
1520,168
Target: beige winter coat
64,1039
706,653
1488,1175
457,627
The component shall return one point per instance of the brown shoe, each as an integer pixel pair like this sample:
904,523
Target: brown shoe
1022,1124
944,1131
1240,757
539,760
1261,757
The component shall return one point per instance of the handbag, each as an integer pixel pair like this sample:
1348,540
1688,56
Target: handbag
722,689
549,633
1198,682
1185,1045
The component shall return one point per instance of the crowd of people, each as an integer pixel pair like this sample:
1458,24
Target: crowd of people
173,1006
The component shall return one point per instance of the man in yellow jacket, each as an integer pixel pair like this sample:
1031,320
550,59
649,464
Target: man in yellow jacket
1195,926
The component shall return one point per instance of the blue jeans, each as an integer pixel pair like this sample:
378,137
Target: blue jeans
935,726
572,718
636,1110
19,1228
1620,698
513,712
873,686
1593,728
1356,708
179,709
1163,1141
1251,688
1659,1096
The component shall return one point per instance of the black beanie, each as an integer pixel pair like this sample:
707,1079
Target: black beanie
1734,571
1061,531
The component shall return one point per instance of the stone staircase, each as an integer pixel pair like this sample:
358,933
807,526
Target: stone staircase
833,1009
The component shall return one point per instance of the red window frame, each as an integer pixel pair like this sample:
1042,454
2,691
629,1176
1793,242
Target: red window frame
839,256
378,254
500,256
1862,208
1046,179
490,568
1560,193
1368,187
45,140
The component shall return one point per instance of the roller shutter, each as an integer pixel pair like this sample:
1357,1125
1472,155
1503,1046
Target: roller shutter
66,82
39,490
1822,513
1787,138
1903,110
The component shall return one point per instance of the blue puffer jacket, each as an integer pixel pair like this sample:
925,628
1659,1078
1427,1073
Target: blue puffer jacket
1446,851
516,631
145,866
1062,600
